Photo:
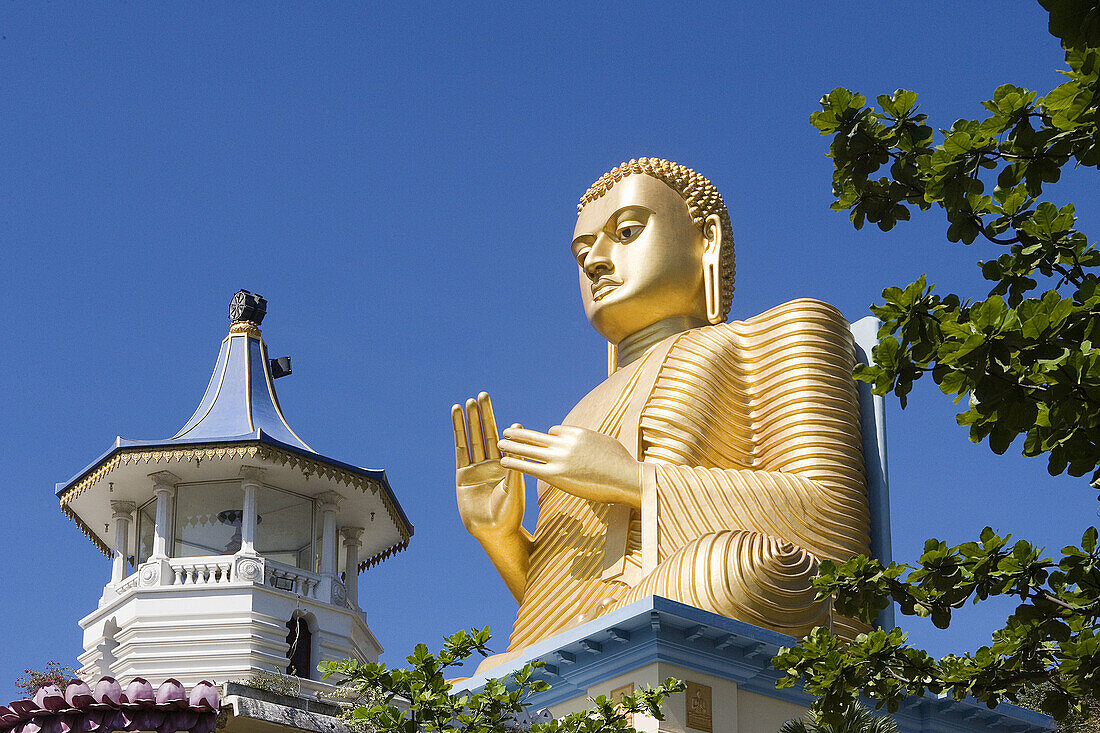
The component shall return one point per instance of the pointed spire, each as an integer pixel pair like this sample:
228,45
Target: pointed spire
240,399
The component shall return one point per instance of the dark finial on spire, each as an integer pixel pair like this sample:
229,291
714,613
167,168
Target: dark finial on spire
247,306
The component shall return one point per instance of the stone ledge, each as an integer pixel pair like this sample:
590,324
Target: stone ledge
290,711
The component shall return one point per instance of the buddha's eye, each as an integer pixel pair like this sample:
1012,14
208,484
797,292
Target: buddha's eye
628,231
582,255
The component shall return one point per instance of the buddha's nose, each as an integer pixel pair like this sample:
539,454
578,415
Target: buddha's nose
597,270
598,263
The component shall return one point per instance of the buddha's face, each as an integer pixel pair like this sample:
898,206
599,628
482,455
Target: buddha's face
639,256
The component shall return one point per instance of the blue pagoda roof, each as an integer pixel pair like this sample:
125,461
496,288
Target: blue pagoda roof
240,398
240,405
239,415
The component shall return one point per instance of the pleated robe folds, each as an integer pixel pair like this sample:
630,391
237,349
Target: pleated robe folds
752,471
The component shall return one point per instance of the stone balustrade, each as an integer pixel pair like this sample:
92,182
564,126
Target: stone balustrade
292,579
201,570
234,570
127,584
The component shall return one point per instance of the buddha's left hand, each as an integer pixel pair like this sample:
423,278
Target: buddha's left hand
582,462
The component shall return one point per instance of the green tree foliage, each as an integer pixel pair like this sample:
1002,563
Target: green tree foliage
1051,638
1086,721
1026,358
419,699
856,719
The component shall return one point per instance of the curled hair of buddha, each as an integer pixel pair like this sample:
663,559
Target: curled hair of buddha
702,200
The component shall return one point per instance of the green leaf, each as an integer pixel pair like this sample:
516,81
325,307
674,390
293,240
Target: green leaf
1075,22
1026,363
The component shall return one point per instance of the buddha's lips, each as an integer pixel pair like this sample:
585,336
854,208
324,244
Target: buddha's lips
603,286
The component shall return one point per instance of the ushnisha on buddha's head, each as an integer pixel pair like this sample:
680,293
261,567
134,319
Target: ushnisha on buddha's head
652,243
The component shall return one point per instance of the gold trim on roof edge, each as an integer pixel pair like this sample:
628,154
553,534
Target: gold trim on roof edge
260,451
221,380
248,378
385,554
85,529
271,393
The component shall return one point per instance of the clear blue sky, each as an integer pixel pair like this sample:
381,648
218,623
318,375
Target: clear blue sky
399,183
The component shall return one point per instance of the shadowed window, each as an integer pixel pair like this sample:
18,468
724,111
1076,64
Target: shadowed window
209,517
299,639
146,526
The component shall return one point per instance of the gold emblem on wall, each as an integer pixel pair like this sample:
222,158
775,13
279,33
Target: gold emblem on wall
617,696
699,710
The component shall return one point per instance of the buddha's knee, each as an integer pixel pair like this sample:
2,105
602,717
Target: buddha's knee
743,575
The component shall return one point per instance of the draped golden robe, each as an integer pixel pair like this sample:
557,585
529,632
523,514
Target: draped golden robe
752,471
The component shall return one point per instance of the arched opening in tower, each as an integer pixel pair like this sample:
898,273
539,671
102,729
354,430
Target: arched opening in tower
300,640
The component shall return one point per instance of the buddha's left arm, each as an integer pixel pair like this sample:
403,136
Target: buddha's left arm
682,503
755,425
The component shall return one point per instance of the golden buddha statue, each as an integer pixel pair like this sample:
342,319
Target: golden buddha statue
715,465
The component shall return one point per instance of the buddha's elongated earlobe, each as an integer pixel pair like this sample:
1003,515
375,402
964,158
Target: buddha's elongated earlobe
712,276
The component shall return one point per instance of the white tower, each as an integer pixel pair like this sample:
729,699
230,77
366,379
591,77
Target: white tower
236,547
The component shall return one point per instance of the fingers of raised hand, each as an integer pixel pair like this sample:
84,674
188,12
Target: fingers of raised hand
477,433
489,425
475,429
462,446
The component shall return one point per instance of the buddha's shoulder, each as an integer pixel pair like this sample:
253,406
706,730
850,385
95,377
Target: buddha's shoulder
799,333
804,316
802,311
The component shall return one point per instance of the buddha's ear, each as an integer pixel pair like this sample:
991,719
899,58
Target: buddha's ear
712,274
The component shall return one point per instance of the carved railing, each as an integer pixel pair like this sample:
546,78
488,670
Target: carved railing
291,579
201,570
235,570
127,583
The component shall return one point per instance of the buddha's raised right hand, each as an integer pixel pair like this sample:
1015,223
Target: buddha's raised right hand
490,497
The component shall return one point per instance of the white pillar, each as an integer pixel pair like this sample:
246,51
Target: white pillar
251,480
330,502
164,486
352,543
169,539
121,513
